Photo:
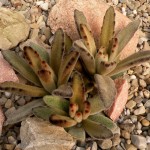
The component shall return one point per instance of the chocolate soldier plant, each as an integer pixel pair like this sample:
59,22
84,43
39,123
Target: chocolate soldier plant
104,59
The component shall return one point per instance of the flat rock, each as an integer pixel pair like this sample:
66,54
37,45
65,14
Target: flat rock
62,16
6,71
139,141
37,134
13,28
120,101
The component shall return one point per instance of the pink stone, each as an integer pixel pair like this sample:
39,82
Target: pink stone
6,71
1,120
62,16
121,99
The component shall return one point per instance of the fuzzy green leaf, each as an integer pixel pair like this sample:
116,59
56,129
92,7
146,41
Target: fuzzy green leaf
105,121
23,112
62,121
131,61
96,105
88,39
63,91
41,68
41,51
96,130
46,112
57,102
106,89
125,35
68,44
107,29
77,132
80,19
78,90
22,89
87,58
21,66
67,65
57,50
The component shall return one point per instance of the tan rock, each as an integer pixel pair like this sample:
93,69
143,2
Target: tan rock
13,28
6,71
61,16
41,135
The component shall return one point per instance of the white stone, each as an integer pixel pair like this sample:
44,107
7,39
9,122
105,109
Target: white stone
38,3
44,6
134,12
140,110
37,134
115,2
132,77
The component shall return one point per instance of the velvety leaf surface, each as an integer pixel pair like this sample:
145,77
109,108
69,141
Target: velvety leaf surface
22,89
105,121
77,132
96,130
107,30
62,121
21,66
22,112
106,89
56,102
63,91
46,112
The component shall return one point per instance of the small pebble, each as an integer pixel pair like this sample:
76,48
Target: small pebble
147,104
130,104
139,111
142,83
148,117
145,122
8,103
7,94
44,6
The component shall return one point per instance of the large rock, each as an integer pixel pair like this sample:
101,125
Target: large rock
13,28
6,71
37,134
120,100
61,16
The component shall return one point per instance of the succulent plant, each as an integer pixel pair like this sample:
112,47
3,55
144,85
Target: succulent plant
104,59
49,72
82,114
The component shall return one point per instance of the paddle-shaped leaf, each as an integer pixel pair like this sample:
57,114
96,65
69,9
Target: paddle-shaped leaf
46,112
88,39
41,51
56,102
63,91
77,132
96,105
80,19
22,89
105,121
62,121
41,68
87,58
126,34
21,66
22,112
78,90
131,61
67,65
107,29
96,130
57,50
106,89
68,44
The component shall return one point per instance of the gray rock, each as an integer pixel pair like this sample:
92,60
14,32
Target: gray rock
139,141
105,144
13,28
148,116
147,104
41,135
139,111
4,2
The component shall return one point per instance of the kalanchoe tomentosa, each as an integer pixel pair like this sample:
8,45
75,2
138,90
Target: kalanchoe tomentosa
48,72
104,59
81,114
